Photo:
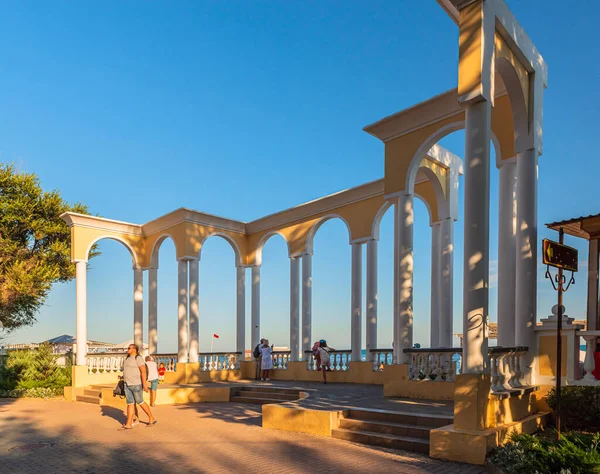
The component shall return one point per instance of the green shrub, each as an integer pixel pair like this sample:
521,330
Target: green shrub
580,407
33,369
575,453
31,393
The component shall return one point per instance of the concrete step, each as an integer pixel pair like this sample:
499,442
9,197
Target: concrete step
256,400
100,387
88,399
254,388
370,438
92,392
416,419
273,395
396,429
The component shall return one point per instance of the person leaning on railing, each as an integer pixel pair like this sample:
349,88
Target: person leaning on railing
257,353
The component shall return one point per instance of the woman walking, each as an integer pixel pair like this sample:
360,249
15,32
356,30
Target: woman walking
267,360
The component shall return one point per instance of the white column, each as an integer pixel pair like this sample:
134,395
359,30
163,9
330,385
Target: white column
138,307
241,312
507,253
152,310
434,325
371,298
526,268
403,277
356,297
306,303
476,235
294,308
182,311
81,308
446,282
194,311
255,316
592,295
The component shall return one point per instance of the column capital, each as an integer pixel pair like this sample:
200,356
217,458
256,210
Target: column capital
362,240
397,195
187,258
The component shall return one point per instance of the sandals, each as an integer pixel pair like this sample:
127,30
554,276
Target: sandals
150,425
124,428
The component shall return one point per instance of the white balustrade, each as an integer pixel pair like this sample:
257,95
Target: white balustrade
381,358
219,361
105,363
435,365
170,361
505,368
589,363
281,359
339,360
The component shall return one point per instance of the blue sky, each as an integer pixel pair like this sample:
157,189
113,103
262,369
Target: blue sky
244,108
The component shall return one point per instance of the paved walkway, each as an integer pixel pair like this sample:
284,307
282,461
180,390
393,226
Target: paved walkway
342,395
56,436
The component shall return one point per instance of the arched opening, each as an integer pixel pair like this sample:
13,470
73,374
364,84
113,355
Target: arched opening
164,258
421,274
110,292
217,294
331,280
275,291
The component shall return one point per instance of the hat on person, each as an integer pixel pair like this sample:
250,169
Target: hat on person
323,341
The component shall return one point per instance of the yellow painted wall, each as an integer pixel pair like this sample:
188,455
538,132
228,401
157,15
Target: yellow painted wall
547,356
504,51
470,49
82,238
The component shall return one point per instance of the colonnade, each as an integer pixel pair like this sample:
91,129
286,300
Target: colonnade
301,336
517,245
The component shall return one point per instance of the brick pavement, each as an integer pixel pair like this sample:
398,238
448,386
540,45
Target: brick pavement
210,438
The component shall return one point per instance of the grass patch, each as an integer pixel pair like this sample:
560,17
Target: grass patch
575,453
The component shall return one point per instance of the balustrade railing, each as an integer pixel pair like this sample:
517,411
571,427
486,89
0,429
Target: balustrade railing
589,363
381,358
105,363
219,360
339,360
170,361
281,359
436,365
505,367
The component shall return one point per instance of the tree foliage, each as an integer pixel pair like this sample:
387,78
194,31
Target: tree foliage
34,245
27,369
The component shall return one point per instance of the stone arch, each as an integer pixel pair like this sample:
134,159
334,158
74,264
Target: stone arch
263,241
377,220
315,227
135,260
516,97
440,197
428,145
229,239
156,249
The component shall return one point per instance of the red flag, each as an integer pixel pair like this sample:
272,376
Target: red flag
216,336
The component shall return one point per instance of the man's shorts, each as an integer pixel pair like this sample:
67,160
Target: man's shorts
153,384
134,394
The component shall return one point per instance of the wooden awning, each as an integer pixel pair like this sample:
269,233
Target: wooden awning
585,227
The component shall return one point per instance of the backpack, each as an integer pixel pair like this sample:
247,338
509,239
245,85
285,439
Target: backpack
257,352
119,389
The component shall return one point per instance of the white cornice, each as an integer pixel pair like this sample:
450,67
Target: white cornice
195,217
421,115
95,222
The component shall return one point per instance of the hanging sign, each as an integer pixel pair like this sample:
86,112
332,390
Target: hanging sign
559,255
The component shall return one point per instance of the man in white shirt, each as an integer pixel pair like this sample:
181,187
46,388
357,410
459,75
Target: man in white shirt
152,378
